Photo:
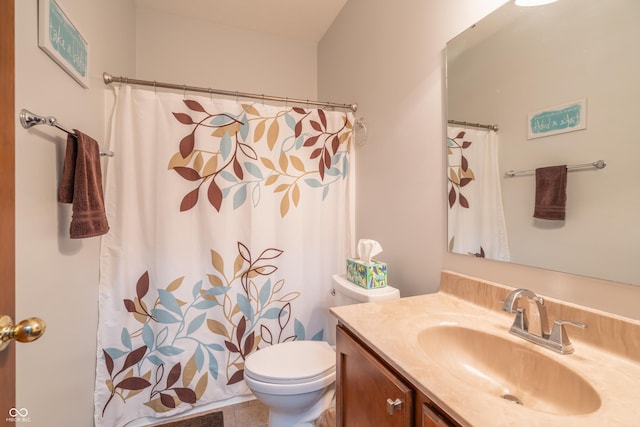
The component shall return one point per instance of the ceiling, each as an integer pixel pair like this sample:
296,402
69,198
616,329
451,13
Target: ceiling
307,20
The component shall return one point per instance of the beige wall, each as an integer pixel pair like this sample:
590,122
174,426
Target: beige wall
392,64
175,49
390,60
56,277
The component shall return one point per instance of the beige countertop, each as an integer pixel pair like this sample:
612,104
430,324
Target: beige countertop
606,356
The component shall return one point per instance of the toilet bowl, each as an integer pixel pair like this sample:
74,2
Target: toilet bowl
296,379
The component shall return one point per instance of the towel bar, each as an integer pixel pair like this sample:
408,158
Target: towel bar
598,164
29,119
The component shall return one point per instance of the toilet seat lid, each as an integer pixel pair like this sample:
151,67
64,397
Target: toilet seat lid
291,362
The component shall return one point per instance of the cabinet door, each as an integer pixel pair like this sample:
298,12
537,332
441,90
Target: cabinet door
368,393
431,419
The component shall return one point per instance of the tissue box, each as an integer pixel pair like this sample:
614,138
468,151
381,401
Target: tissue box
368,275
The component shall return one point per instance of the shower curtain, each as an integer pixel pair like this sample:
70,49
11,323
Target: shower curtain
476,223
227,221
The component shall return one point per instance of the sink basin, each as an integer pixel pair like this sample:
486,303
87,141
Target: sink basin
501,367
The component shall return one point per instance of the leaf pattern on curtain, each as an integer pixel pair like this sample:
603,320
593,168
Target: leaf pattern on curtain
227,221
229,163
255,311
460,174
475,223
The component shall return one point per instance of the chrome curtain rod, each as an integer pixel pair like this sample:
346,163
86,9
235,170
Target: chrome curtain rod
598,164
108,79
473,125
29,119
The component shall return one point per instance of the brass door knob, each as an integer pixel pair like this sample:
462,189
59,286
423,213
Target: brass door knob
26,331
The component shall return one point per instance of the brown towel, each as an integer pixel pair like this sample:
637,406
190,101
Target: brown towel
81,184
551,192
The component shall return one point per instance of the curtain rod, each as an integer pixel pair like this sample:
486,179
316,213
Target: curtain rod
473,125
108,79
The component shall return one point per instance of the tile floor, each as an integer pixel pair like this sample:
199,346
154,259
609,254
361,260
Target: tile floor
255,414
246,414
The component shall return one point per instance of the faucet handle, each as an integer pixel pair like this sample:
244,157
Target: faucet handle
559,334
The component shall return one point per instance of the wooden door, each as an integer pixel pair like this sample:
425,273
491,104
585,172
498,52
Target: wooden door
366,388
7,201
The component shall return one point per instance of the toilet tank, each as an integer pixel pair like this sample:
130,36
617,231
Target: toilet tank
346,293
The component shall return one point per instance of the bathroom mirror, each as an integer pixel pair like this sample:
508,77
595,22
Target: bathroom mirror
562,82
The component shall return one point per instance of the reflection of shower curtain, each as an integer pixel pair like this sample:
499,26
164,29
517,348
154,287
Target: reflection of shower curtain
227,221
476,217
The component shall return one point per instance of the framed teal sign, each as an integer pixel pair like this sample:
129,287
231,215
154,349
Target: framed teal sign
62,41
563,118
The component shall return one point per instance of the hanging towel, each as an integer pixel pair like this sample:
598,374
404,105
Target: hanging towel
81,184
551,193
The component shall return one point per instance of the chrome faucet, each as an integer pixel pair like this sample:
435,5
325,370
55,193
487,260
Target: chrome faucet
531,322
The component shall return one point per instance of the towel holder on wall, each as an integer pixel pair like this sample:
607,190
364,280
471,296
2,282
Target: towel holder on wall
29,119
598,164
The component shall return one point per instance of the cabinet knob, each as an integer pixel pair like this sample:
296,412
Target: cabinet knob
393,406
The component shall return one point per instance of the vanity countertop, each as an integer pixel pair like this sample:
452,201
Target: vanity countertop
607,353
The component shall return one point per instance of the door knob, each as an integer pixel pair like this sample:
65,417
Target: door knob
26,331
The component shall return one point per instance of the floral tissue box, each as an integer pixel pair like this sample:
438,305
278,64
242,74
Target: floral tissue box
368,275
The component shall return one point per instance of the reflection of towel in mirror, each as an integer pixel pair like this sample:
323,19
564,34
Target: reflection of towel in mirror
551,192
81,184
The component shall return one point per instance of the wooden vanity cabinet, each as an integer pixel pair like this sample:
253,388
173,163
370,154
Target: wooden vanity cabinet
365,388
370,393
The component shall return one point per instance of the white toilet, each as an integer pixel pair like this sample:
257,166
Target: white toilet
296,379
